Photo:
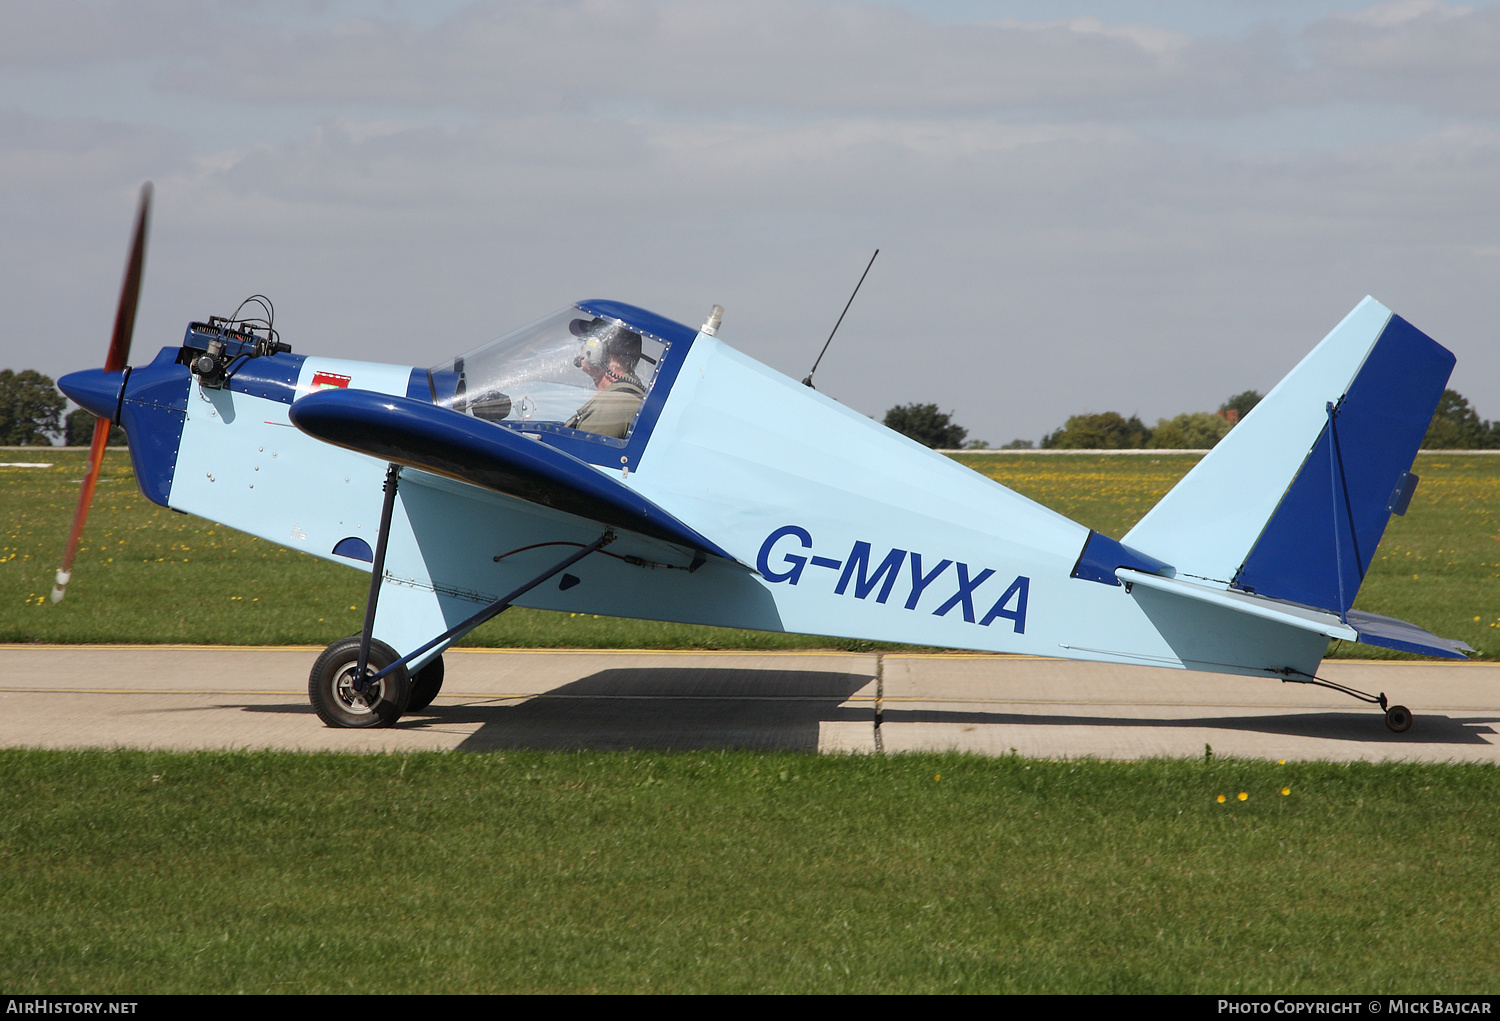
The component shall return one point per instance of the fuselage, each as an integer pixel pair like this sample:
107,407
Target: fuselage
821,520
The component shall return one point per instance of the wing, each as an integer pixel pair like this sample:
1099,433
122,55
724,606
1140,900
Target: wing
447,443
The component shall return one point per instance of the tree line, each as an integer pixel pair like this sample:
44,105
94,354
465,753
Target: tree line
1193,430
1455,426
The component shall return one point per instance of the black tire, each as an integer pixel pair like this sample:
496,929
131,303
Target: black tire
425,685
1398,718
330,687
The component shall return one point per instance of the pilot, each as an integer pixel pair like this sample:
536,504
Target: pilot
609,355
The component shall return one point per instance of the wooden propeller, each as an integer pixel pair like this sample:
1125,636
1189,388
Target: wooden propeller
114,361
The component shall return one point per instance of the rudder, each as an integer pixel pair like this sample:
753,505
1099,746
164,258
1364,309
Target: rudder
1318,545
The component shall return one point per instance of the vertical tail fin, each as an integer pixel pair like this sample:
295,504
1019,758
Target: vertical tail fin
1292,503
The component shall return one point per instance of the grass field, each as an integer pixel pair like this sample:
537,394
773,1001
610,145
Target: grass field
136,872
133,872
147,574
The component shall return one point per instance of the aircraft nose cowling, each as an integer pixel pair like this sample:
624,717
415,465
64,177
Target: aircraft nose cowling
95,390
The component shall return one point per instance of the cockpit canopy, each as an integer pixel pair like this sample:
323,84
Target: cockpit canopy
574,370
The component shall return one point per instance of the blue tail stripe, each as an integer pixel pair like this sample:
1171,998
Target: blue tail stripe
1312,548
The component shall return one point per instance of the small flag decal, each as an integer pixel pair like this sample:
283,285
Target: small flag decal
324,380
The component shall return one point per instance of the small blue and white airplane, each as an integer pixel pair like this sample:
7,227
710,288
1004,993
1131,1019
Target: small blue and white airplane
608,460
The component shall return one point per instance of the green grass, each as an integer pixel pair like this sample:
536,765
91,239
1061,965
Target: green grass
136,872
147,574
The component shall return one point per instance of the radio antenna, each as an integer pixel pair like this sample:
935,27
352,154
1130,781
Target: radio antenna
808,380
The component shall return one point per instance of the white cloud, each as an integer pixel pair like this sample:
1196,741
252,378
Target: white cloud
76,155
1432,55
776,58
1041,253
70,33
693,56
1402,12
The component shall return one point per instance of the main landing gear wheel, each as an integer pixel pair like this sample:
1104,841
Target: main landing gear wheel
425,685
331,689
1398,718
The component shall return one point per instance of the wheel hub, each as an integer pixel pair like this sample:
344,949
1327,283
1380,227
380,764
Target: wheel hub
352,699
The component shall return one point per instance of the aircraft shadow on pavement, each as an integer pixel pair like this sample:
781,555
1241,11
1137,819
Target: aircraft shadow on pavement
1368,727
684,708
665,709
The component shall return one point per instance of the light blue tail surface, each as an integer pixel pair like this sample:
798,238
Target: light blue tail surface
1292,503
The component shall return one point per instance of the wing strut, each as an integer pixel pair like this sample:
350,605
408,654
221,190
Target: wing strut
499,606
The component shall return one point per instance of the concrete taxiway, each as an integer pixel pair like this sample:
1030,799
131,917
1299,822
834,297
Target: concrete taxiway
192,697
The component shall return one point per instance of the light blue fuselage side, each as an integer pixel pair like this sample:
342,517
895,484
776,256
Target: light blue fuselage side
839,527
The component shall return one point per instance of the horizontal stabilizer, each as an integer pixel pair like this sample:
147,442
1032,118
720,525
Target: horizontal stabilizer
1390,633
1369,628
1305,618
448,443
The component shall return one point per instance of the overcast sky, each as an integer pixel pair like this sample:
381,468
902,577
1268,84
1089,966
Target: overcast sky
1080,206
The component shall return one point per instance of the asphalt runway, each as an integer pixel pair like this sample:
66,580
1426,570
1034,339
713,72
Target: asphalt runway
193,697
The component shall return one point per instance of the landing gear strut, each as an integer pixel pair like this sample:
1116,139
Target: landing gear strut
362,682
1397,717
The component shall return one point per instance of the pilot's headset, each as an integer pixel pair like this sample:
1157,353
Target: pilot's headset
603,341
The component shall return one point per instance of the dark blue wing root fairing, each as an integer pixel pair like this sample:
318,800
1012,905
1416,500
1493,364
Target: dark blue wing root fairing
454,445
1102,556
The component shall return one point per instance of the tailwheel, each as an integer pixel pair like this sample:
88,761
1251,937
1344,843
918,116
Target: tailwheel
425,685
330,686
1398,718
